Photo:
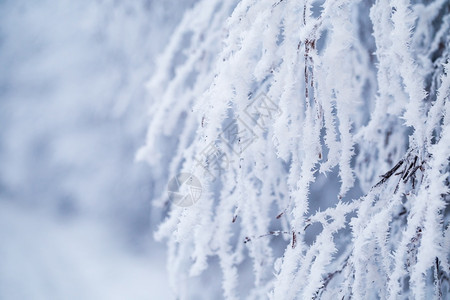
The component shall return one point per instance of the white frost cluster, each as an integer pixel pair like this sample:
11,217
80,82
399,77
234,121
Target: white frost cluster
354,89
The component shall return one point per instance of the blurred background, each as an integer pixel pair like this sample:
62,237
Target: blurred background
76,219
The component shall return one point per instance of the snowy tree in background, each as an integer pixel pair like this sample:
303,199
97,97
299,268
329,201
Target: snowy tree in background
320,132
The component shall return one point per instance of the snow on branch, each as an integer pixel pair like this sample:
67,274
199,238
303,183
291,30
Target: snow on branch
266,103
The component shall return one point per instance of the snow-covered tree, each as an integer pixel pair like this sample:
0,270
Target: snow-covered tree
320,133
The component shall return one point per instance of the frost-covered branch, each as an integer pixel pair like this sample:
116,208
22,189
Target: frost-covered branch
266,102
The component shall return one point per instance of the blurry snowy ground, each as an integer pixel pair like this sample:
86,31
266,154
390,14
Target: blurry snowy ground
44,258
75,214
